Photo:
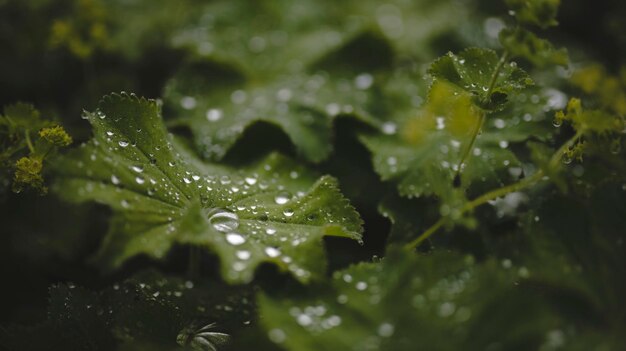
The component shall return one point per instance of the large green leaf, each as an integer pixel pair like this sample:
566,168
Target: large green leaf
407,302
272,211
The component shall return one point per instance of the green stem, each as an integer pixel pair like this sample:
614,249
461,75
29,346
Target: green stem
492,195
28,142
481,120
500,192
494,77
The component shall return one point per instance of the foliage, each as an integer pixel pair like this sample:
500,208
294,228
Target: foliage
407,175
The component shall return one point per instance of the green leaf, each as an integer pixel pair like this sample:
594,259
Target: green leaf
541,13
273,211
424,158
474,69
520,42
442,301
304,106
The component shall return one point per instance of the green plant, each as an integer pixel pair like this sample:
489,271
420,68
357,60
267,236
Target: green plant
247,208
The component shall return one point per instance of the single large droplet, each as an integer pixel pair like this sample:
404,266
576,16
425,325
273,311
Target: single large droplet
282,198
123,143
223,220
235,239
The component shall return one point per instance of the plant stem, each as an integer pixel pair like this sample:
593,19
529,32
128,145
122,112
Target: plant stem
481,120
494,76
28,142
494,194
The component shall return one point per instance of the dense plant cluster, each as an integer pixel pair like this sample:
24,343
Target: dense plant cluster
312,175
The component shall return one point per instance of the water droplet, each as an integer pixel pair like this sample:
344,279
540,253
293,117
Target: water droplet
115,180
441,124
270,231
272,252
140,180
389,128
223,220
214,115
284,94
251,180
188,102
288,213
235,238
304,320
123,143
277,335
499,123
361,285
282,198
557,122
386,330
364,81
243,254
238,97
446,309
503,144
137,169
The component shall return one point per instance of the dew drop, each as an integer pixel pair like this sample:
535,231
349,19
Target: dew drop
115,180
441,124
188,102
235,239
243,254
282,198
288,213
389,128
223,220
363,81
140,180
214,115
277,336
386,330
272,252
123,143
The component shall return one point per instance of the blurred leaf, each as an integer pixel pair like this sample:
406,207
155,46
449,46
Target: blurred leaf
522,43
442,301
540,13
